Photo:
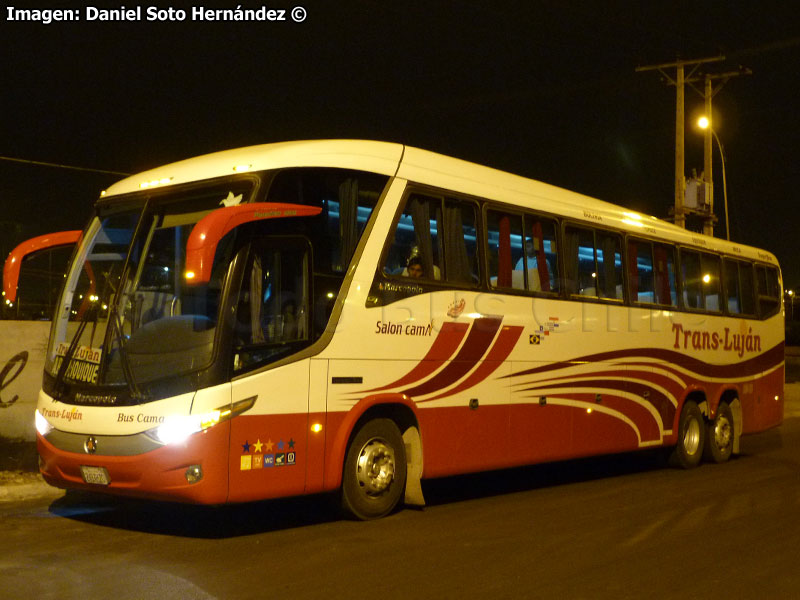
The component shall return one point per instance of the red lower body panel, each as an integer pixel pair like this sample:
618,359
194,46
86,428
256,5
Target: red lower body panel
159,474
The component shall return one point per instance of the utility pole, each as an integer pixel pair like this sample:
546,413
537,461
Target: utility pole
709,91
708,178
679,82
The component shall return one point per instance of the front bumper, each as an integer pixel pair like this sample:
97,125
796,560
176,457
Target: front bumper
135,469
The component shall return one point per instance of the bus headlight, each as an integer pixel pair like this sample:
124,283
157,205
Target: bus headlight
42,425
175,430
178,428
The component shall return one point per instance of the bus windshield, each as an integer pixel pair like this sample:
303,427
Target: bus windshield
134,311
126,314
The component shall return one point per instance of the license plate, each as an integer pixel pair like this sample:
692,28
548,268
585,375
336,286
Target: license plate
95,475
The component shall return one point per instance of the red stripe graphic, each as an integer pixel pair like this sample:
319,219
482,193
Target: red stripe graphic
659,371
445,344
746,368
636,382
648,427
480,336
634,410
497,354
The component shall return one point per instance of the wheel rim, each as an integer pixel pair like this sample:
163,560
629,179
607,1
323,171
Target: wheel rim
722,432
691,437
375,467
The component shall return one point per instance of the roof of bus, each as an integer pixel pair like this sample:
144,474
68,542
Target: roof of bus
427,168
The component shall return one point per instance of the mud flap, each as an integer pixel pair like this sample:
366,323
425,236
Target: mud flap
413,444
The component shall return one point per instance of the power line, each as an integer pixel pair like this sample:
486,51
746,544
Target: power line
59,166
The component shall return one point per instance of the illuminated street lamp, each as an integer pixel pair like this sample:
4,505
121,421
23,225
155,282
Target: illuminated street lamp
704,123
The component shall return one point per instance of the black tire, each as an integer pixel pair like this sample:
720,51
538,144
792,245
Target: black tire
374,475
719,436
688,452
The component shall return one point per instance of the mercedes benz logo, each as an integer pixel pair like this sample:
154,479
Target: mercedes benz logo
90,445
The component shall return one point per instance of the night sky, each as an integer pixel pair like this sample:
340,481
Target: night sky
547,90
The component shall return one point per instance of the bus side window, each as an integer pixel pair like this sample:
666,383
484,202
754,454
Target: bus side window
641,271
522,252
347,199
769,290
733,292
709,265
581,270
594,263
460,242
739,287
748,288
272,311
506,255
691,278
540,250
651,273
417,234
440,240
666,290
609,265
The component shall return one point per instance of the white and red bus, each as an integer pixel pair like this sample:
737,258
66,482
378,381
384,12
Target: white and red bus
354,316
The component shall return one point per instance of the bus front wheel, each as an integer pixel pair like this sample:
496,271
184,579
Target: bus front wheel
719,437
691,438
374,471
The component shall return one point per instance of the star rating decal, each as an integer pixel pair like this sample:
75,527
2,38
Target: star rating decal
259,455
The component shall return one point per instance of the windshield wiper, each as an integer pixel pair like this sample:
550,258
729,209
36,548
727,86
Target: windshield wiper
60,384
91,312
127,373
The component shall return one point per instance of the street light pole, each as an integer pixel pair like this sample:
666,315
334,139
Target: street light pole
708,173
704,122
724,184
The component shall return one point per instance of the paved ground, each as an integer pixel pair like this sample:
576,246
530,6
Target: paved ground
791,407
614,527
792,364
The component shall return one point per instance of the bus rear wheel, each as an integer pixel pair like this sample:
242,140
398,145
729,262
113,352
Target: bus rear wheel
719,437
374,474
691,438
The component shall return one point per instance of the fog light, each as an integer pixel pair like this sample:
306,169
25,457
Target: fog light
194,473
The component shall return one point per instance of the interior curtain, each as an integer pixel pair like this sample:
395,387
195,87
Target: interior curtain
609,246
421,217
457,267
633,269
504,253
302,313
541,257
571,243
256,292
348,220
